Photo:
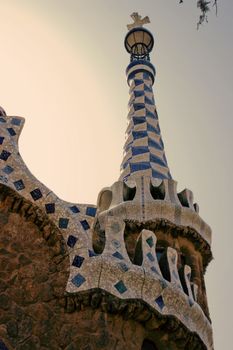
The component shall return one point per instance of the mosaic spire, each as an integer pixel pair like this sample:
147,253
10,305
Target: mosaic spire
144,149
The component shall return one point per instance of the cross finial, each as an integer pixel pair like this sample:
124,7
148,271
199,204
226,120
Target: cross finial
138,21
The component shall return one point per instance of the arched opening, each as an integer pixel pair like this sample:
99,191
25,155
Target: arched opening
148,345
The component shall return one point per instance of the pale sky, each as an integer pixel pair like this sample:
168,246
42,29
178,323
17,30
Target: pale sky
62,67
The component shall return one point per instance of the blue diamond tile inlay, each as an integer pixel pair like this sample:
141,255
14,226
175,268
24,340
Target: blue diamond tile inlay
150,257
120,287
78,260
154,269
91,211
63,223
118,255
36,194
2,120
116,243
78,280
124,267
71,241
150,241
5,155
11,131
1,139
91,253
19,185
85,224
16,121
50,208
74,209
159,301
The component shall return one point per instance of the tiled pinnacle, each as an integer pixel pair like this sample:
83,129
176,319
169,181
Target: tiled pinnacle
144,149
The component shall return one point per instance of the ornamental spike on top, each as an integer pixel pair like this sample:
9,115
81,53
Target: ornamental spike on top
144,153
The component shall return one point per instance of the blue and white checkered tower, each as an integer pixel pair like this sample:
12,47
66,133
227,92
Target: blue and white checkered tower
144,153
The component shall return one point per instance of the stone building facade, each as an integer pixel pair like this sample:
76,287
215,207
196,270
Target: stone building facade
126,273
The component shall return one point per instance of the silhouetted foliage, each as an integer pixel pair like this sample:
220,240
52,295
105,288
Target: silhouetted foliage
204,7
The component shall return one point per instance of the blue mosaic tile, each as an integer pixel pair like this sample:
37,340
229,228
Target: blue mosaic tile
158,175
50,208
139,150
127,147
91,253
91,211
85,224
150,257
36,194
1,139
139,166
75,209
149,114
11,131
78,280
151,128
2,120
139,134
138,82
154,269
78,261
149,101
19,185
120,287
63,223
138,93
138,106
139,120
116,243
146,76
118,255
71,241
150,241
159,301
153,143
147,88
123,267
16,121
3,346
5,155
157,160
